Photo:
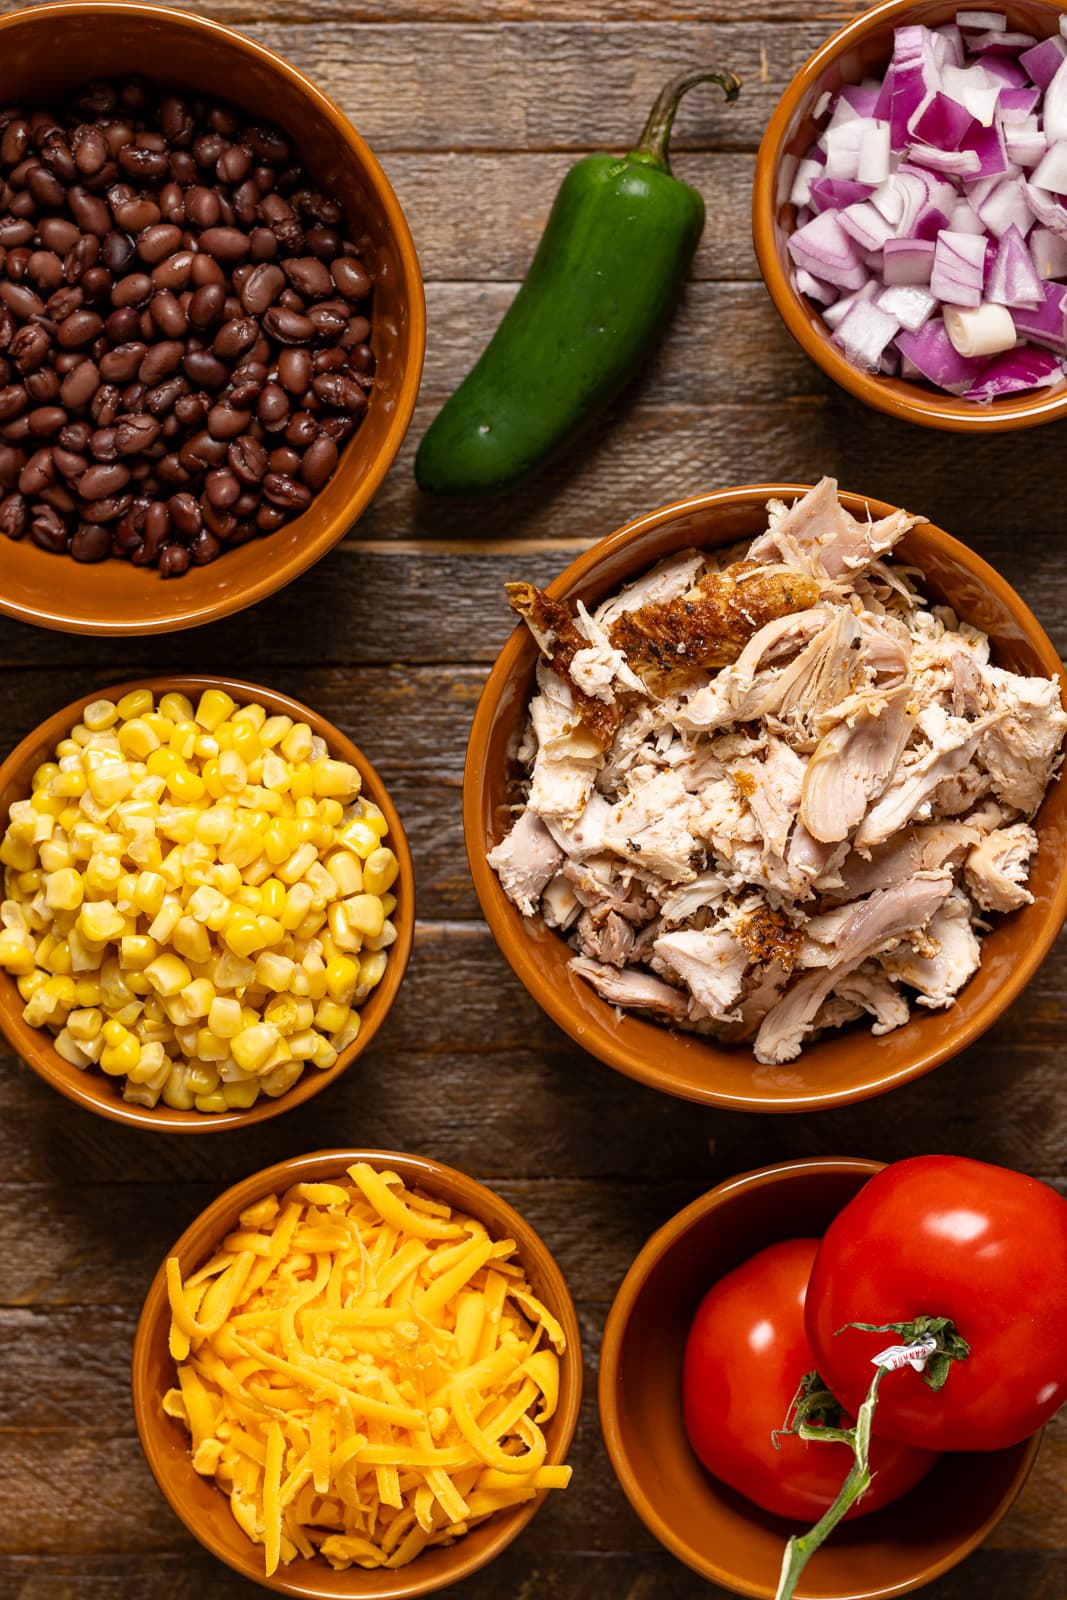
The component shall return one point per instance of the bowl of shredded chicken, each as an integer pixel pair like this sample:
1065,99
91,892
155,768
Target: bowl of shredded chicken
773,797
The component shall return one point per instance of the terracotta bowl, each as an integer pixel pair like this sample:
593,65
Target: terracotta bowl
48,51
206,1511
710,1527
864,46
842,1067
94,1089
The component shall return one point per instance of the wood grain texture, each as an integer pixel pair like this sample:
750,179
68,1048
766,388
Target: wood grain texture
477,108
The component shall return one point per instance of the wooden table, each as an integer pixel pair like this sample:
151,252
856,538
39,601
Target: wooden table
477,108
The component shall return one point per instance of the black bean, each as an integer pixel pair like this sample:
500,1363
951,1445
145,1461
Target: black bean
14,516
46,421
204,548
351,277
289,327
173,561
247,459
273,407
92,542
318,463
205,369
123,363
13,401
286,492
38,473
100,482
225,244
336,389
162,359
48,530
90,212
79,328
236,336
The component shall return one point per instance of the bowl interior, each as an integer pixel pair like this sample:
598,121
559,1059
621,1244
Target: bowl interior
51,50
205,1510
709,1526
95,1089
863,48
849,1064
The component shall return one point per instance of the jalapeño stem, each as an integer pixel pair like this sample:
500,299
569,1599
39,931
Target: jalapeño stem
654,144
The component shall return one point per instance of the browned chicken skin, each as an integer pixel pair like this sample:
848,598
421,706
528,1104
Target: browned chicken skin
710,626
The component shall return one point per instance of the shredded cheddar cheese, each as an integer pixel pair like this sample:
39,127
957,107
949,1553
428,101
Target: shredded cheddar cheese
361,1370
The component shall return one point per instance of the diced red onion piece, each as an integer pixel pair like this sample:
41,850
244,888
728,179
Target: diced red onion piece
1044,60
1047,323
1004,43
822,105
984,21
1051,173
807,171
908,261
974,88
911,305
930,352
824,293
834,315
1006,70
1054,111
824,247
864,334
988,146
957,163
1048,252
965,219
941,121
833,194
1015,371
873,164
1005,206
1016,105
862,97
959,262
1013,278
865,223
842,145
952,51
1025,143
1047,208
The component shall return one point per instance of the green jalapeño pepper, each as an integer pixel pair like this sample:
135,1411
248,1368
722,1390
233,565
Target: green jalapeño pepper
604,281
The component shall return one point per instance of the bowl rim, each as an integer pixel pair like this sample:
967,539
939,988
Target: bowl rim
272,578
651,1254
34,1045
894,396
506,922
417,1171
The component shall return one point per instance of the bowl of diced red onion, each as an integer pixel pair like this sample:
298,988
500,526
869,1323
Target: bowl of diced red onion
910,212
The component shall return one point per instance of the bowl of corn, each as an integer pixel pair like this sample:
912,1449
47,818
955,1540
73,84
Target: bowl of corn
207,902
358,1373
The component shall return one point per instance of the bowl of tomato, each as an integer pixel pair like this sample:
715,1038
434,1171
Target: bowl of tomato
703,1353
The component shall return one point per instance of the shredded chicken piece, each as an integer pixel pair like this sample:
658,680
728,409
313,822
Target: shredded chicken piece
773,797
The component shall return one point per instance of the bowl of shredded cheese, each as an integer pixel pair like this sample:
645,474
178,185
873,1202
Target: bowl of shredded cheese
206,902
357,1373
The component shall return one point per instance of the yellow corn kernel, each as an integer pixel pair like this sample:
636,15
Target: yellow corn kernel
209,1047
242,934
252,713
331,812
359,836
70,1050
301,783
331,1015
246,743
136,950
374,817
302,1045
224,1017
365,914
389,904
199,997
272,898
103,874
296,744
215,1102
152,1065
118,1059
346,871
110,783
233,774
148,893
214,824
307,810
212,782
343,935
249,897
297,864
240,1096
215,706
253,1047
137,740
162,762
191,940
44,775
275,971
176,707
229,971
241,846
87,992
274,774
279,840
46,805
17,853
135,704
28,983
281,1078
166,919
337,779
347,1033
16,956
183,739
274,730
168,975
100,714
64,890
372,969
86,1022
98,921
380,870
342,976
297,905
176,1092
325,1055
186,786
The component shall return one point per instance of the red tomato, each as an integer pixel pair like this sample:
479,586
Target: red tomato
944,1237
746,1354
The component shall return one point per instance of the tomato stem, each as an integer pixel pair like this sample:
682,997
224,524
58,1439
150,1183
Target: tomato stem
801,1547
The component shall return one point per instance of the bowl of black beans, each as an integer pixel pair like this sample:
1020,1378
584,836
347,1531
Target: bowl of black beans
211,320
